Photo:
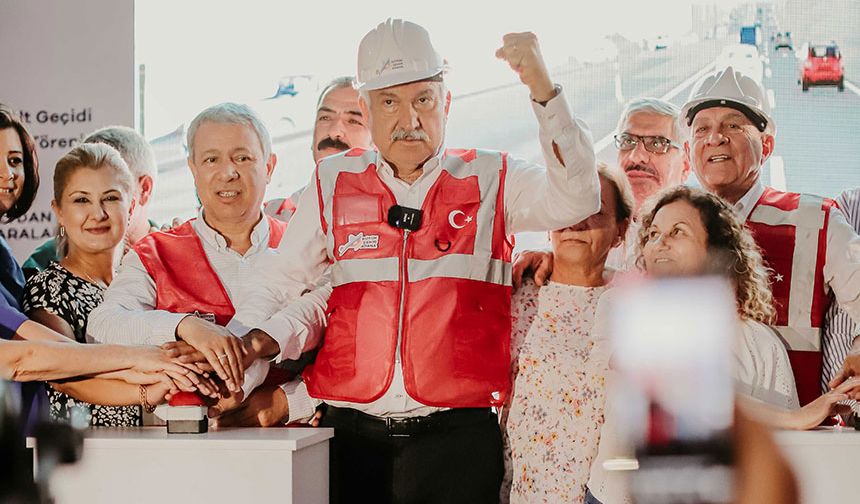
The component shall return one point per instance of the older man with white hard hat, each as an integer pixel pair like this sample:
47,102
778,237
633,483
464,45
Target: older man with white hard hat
416,351
813,252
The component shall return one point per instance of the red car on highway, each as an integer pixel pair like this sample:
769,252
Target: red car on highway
823,67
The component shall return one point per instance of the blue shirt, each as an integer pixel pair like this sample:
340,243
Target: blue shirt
33,397
11,292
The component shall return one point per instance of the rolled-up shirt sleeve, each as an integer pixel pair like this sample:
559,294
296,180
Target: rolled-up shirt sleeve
302,406
842,264
274,300
567,189
128,315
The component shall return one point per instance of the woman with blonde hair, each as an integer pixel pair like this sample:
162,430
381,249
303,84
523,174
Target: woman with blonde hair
93,202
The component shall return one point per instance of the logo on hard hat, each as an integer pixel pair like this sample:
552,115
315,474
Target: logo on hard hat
390,64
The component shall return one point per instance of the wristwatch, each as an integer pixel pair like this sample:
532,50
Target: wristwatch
556,90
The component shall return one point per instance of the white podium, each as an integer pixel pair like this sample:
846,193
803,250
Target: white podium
824,461
131,465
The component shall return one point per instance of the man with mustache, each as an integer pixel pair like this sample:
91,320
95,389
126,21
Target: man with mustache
416,237
339,126
813,252
650,151
649,139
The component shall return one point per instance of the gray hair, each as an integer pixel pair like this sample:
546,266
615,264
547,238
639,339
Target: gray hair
231,113
654,106
133,148
346,81
624,201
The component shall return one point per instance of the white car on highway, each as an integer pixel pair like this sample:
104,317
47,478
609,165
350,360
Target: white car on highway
742,57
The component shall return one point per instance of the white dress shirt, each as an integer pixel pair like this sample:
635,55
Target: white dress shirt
840,331
745,205
128,315
761,371
535,199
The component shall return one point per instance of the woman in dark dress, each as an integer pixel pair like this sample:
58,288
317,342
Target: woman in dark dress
93,202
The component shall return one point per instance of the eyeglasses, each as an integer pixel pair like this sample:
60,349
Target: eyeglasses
654,144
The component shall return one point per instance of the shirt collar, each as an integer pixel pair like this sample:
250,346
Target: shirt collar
429,167
745,205
259,235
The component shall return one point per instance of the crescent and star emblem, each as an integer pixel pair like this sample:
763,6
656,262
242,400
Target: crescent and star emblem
452,219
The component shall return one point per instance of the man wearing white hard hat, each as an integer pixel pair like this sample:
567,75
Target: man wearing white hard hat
418,240
813,253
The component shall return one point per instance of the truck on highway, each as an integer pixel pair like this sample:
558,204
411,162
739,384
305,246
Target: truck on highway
748,35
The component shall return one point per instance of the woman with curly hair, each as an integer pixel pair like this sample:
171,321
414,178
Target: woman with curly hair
688,232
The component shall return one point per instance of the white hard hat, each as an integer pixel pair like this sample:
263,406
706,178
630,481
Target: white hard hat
396,52
730,88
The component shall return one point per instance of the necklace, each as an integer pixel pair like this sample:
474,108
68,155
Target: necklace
92,281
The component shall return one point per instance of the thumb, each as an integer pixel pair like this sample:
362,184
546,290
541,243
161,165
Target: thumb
214,411
839,378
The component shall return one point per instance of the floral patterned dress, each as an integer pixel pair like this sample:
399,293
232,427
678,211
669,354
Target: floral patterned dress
551,426
58,291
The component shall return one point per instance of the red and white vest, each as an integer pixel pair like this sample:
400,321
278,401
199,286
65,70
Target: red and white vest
184,280
280,208
437,299
791,230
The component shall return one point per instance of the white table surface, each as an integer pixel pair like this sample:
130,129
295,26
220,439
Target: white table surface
244,438
825,463
146,464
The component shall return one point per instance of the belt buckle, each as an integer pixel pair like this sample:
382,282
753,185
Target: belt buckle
398,427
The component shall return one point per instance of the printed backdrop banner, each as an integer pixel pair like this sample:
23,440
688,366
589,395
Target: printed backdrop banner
68,69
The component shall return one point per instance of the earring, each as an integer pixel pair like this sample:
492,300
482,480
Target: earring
62,231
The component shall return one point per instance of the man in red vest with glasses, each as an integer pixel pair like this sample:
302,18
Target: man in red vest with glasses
417,240
184,284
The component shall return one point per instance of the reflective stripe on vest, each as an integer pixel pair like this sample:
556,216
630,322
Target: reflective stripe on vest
438,297
803,219
791,230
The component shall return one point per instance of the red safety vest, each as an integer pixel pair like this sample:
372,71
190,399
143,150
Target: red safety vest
280,208
791,230
438,298
184,280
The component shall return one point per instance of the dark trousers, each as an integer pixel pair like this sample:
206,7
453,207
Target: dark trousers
444,464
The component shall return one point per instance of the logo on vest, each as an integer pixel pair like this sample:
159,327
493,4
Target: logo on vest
209,317
779,278
458,219
357,242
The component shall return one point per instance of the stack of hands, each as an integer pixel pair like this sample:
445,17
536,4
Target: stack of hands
211,361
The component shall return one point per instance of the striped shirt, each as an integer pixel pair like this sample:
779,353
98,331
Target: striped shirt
839,327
